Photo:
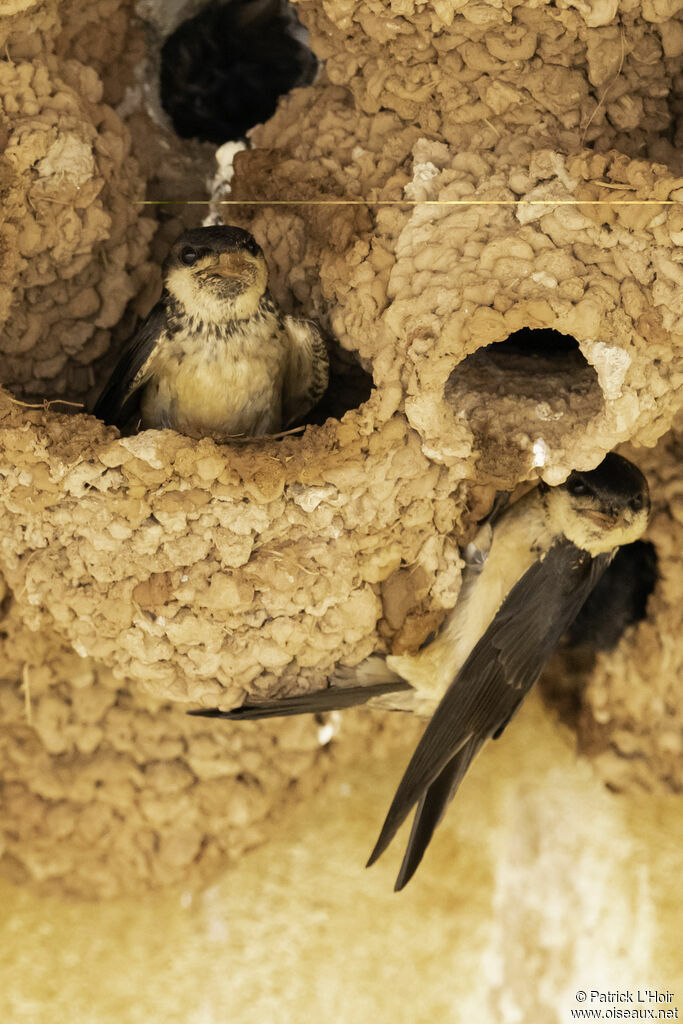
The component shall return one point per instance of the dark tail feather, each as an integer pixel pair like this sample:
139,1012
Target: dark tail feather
424,769
334,698
431,809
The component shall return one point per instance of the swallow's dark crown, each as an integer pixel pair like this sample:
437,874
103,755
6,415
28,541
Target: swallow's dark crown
615,476
219,238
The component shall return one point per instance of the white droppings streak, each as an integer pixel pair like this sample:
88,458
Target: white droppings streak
611,364
68,159
540,450
219,186
326,733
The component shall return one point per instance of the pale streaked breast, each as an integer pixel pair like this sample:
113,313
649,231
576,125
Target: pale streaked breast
208,382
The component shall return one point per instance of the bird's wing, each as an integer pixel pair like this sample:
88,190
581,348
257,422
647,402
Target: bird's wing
489,687
133,369
430,809
307,370
333,698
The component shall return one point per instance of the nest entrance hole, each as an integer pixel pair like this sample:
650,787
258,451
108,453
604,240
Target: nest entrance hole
618,602
223,70
535,383
349,387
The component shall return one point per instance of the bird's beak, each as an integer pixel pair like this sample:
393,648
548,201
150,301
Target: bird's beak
601,519
230,264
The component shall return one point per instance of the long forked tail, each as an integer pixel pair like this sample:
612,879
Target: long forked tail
431,807
380,680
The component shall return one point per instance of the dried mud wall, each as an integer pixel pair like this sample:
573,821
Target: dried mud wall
631,722
154,569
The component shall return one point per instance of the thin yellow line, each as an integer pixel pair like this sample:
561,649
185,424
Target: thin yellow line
407,202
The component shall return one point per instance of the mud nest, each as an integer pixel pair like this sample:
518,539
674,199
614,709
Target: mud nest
152,571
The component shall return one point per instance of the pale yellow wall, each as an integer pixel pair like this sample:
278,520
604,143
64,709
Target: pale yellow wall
539,883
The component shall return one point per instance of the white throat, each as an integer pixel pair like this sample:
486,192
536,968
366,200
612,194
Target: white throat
201,303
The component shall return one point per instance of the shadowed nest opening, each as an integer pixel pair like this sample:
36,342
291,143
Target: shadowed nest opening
350,386
223,70
537,379
618,602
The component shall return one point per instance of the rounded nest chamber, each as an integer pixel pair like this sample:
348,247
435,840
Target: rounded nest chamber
504,321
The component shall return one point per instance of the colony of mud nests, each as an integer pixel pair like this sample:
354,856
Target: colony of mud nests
146,572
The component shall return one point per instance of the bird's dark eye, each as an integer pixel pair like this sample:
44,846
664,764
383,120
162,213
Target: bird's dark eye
636,503
576,486
252,246
188,255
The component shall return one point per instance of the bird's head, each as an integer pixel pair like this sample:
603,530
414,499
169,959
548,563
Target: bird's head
602,508
216,273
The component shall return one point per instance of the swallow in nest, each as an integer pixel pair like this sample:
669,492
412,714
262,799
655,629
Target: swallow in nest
215,355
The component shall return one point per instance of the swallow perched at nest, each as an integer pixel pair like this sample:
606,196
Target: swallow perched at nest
215,355
528,572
